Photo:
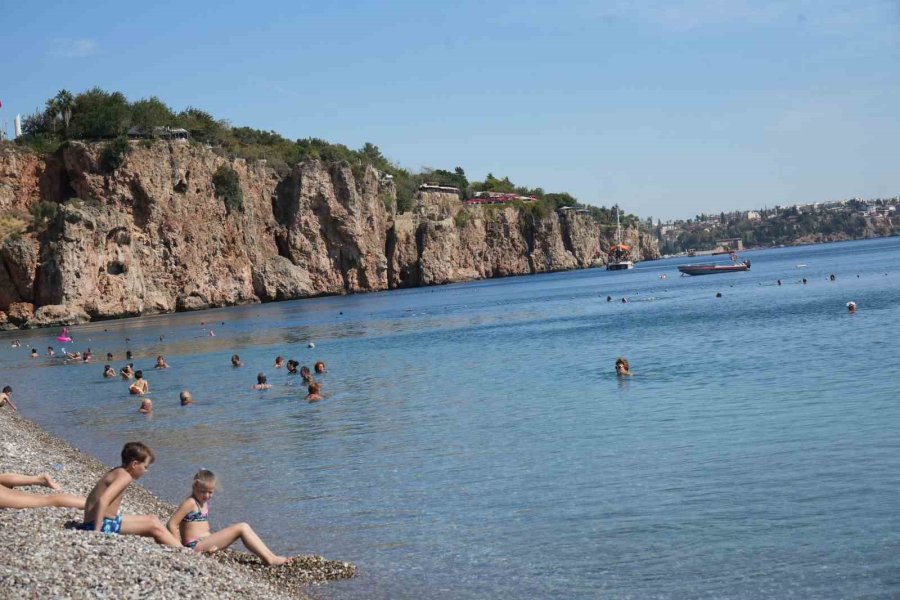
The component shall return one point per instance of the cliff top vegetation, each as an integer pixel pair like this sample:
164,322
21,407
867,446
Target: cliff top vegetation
98,115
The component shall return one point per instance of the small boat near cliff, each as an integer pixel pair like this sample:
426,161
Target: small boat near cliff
711,269
619,255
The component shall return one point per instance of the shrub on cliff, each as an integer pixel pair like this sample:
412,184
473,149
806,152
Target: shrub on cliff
42,214
462,218
114,153
228,188
12,224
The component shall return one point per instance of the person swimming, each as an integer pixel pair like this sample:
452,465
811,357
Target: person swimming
305,374
127,372
314,389
146,406
279,362
623,369
851,307
236,361
161,362
185,398
319,367
261,383
140,386
292,366
108,371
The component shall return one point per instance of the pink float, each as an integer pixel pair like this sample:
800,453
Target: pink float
64,336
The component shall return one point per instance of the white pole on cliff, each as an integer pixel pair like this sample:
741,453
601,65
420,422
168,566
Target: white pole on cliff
18,126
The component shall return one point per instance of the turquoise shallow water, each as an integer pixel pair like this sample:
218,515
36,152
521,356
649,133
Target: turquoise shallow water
475,443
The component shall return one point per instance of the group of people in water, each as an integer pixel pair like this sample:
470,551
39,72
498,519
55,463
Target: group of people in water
313,387
187,528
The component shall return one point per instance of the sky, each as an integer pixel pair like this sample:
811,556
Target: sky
668,108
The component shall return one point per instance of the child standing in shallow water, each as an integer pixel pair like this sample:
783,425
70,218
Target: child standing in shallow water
190,524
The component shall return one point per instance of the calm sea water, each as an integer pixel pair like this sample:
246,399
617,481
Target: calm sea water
475,442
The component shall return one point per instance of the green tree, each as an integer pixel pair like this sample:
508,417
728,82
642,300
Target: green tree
227,184
114,153
98,114
202,126
149,113
65,104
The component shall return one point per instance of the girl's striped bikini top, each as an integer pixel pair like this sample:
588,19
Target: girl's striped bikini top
195,516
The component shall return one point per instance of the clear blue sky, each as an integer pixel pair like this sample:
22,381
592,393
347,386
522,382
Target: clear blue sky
668,108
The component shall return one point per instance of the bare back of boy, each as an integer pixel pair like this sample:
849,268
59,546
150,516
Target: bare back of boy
102,509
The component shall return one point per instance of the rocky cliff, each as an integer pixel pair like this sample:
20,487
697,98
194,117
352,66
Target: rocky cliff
153,237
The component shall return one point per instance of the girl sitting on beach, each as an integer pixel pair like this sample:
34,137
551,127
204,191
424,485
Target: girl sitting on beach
190,524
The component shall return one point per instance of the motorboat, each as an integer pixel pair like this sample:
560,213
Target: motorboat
712,269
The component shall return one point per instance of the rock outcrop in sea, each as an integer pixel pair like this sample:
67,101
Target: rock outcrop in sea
153,237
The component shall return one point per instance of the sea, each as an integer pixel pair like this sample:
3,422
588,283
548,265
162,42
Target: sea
475,442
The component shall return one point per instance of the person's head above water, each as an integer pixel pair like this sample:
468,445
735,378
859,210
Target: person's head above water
319,367
235,360
260,378
186,398
622,366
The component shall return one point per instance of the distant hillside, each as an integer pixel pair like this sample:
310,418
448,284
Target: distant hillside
800,224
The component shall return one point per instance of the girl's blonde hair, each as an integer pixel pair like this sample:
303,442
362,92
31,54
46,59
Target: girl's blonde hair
205,477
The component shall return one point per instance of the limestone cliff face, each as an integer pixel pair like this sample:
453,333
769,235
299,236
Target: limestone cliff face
153,237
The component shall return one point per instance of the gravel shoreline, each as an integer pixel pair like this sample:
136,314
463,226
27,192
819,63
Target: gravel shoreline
42,556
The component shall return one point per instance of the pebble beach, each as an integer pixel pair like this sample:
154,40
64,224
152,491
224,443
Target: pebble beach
42,555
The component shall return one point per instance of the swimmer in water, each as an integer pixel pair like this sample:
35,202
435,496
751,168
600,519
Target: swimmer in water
261,383
292,366
15,344
109,356
236,361
851,307
140,386
279,362
314,395
127,372
109,372
161,362
186,398
622,367
305,374
50,351
146,406
319,367
34,353
128,355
